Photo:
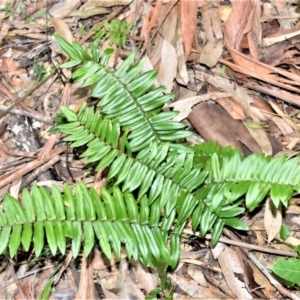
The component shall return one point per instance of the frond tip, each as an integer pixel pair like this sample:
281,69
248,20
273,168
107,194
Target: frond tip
127,95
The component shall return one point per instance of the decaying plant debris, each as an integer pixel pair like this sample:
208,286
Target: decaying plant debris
232,67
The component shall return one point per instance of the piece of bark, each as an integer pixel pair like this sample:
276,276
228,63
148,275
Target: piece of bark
213,123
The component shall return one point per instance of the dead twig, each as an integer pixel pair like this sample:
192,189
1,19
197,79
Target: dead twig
34,8
263,269
18,101
28,114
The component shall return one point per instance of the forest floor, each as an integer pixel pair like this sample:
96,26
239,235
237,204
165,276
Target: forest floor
233,68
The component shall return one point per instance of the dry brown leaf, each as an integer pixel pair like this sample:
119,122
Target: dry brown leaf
213,123
146,280
64,8
168,66
196,273
272,219
241,16
284,116
191,288
261,138
276,39
188,25
211,52
233,108
62,29
154,15
184,106
10,68
86,288
278,93
168,17
14,189
239,25
110,3
182,76
238,94
85,14
260,278
119,285
236,286
292,241
225,11
29,34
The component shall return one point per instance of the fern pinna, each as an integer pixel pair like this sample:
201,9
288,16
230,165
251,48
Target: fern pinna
157,183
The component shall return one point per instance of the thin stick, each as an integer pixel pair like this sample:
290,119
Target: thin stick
26,95
28,114
248,246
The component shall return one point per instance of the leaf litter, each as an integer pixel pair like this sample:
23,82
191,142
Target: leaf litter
233,67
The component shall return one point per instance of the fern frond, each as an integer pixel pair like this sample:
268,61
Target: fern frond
205,184
167,175
114,219
252,177
127,95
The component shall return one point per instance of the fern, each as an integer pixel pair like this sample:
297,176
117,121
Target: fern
83,216
116,31
126,95
157,183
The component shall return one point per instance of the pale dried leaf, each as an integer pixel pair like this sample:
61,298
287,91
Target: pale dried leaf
112,288
225,11
184,106
273,40
14,189
86,289
146,280
211,22
293,142
238,94
188,24
285,247
110,3
183,73
260,278
192,289
207,24
5,26
196,273
233,108
115,284
292,241
216,23
168,66
236,286
147,67
64,8
284,116
211,52
261,138
84,14
272,219
62,29
218,249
